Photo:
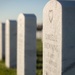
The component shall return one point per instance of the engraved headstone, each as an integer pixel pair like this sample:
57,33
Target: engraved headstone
2,41
59,38
11,43
26,40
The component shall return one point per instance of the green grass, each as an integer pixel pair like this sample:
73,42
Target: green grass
6,71
39,57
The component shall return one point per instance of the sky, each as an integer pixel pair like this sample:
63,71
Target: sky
10,9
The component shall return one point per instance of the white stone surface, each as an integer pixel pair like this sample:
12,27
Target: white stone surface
59,38
2,40
52,38
11,43
26,40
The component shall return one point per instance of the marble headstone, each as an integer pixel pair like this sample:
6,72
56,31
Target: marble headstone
26,40
59,38
11,43
2,41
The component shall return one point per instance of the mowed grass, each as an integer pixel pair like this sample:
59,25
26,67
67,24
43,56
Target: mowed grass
6,71
39,57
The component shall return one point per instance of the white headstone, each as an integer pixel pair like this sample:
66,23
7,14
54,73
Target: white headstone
59,38
2,41
10,43
26,52
52,38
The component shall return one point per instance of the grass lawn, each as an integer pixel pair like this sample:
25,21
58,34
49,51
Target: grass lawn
6,71
39,58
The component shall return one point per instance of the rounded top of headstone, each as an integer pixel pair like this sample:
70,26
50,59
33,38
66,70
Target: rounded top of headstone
2,23
22,17
52,4
7,21
25,15
10,21
53,0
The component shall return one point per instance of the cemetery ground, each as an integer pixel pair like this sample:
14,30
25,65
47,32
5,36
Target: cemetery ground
6,71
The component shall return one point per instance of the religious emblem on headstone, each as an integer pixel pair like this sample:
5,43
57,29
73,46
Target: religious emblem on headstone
50,15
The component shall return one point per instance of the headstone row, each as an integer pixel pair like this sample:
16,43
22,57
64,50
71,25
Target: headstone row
18,44
18,40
